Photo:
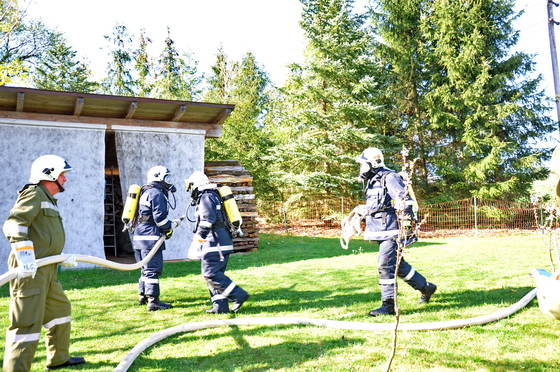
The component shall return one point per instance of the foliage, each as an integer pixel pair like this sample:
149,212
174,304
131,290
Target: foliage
326,107
243,137
119,80
438,77
459,99
176,77
59,70
143,65
23,42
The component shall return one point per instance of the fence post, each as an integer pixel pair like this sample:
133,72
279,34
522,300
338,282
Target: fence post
475,216
285,219
542,222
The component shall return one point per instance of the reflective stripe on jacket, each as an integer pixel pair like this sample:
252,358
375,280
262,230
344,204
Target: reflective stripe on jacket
35,217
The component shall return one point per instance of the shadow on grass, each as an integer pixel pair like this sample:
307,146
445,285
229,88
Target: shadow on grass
283,355
448,359
441,302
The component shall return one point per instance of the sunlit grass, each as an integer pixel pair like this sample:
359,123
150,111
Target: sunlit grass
313,277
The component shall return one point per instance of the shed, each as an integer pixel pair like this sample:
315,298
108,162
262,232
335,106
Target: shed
111,142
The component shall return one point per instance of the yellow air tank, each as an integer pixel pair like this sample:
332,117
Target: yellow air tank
232,211
131,205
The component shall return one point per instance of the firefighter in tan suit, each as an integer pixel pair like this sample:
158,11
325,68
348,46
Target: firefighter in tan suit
34,229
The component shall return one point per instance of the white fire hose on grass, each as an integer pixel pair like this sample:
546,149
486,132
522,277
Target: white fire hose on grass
361,326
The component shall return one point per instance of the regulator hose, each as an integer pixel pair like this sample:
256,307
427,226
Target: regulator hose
361,326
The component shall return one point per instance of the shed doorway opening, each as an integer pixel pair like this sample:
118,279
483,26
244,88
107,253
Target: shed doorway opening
117,244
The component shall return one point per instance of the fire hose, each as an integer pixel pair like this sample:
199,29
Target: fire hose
361,326
50,260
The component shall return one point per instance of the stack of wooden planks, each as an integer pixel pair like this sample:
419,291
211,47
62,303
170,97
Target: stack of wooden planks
231,173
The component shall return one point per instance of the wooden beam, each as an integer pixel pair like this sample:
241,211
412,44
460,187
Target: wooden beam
222,116
78,106
212,130
179,112
20,100
131,109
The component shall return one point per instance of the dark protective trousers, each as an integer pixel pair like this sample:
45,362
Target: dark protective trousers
387,263
220,286
35,303
150,273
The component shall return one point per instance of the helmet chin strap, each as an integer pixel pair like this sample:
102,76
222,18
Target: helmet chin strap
59,186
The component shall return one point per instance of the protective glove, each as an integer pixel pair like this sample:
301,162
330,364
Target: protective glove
69,262
195,249
168,234
25,257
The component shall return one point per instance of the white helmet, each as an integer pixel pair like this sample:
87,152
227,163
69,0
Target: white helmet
48,168
371,160
373,156
196,180
159,174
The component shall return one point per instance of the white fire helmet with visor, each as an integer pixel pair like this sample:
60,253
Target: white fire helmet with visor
48,168
370,160
162,175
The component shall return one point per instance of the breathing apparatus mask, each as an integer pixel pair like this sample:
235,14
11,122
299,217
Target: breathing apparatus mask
169,186
193,184
371,161
367,171
194,193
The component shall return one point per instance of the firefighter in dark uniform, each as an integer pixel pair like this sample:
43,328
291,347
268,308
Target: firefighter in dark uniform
152,223
383,189
214,242
34,229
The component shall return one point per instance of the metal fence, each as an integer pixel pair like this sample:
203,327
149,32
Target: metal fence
467,214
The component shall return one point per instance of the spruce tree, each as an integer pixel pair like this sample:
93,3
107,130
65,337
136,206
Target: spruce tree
119,80
177,76
327,105
245,85
460,99
60,70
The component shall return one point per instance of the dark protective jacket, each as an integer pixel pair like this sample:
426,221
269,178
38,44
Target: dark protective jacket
152,217
382,191
212,223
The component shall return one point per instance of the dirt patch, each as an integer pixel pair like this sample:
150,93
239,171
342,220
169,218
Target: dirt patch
332,228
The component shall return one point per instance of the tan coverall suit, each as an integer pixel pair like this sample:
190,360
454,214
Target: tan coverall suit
40,301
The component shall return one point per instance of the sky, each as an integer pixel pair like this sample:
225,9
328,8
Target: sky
267,28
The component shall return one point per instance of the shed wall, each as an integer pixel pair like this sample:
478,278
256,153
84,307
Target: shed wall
81,205
181,151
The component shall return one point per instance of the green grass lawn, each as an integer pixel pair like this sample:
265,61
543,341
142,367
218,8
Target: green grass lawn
312,277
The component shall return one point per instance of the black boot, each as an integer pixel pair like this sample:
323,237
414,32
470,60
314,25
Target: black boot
142,299
238,303
219,307
216,310
387,308
155,304
73,361
427,293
